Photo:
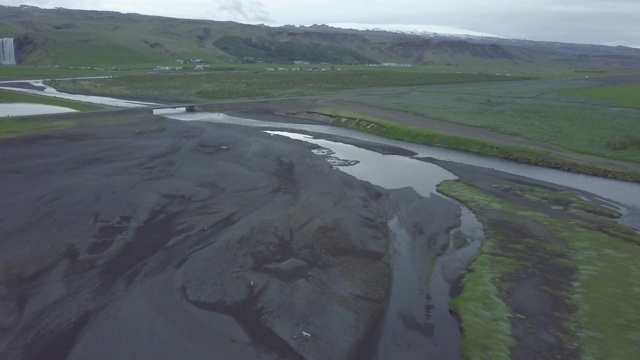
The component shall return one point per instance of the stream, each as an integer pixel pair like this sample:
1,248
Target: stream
38,87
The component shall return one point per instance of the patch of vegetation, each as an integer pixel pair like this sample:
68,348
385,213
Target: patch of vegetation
259,84
485,316
538,110
33,72
12,127
624,143
593,296
428,137
16,97
620,95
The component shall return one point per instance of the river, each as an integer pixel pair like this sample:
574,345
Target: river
22,109
625,194
38,87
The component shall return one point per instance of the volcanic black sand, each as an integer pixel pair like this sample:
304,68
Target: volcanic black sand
161,239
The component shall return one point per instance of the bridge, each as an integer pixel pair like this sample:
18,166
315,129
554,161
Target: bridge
186,107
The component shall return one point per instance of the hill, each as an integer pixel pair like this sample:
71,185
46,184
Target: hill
99,38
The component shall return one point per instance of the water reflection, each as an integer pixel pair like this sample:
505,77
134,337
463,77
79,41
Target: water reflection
38,87
378,169
621,192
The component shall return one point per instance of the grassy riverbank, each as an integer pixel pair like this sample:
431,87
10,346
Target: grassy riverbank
427,137
548,111
556,271
252,83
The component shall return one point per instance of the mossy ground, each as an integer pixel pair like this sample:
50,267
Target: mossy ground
577,266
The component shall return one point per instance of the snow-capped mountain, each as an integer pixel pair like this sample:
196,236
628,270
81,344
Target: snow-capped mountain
421,30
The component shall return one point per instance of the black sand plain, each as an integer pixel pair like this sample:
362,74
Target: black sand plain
161,239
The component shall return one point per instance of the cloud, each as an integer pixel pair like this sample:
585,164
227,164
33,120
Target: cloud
234,10
244,10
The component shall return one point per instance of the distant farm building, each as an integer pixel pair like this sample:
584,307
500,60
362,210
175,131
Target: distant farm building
191,61
169,68
395,65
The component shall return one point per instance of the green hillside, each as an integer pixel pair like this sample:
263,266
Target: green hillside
100,38
93,38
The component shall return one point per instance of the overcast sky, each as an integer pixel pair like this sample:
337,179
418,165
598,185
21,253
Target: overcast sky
609,22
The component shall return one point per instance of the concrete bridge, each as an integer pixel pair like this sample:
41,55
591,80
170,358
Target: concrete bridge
187,107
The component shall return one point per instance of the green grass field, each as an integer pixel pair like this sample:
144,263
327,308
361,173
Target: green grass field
539,110
621,95
260,84
424,136
15,127
12,127
35,72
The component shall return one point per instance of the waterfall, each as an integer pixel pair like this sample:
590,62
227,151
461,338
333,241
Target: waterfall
7,52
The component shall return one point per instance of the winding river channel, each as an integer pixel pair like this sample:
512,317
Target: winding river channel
625,195
400,332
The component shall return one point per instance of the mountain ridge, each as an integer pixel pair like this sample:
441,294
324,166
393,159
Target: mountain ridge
88,37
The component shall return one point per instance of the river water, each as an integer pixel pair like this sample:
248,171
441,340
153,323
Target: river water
22,109
38,87
623,193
